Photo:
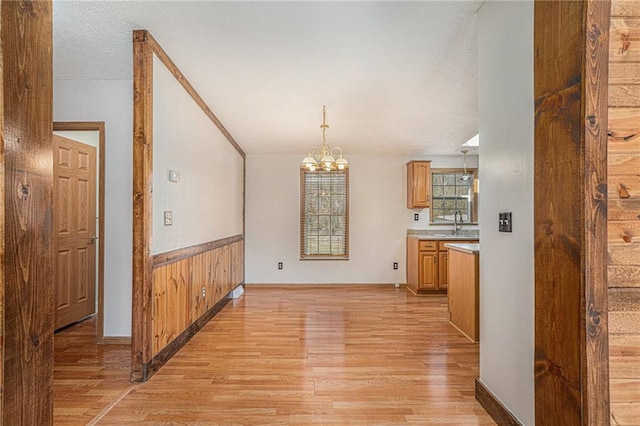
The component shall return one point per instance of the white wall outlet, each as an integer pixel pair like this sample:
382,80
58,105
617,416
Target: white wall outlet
168,218
174,176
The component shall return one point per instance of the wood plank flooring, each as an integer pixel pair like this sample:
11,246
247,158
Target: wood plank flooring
86,376
302,355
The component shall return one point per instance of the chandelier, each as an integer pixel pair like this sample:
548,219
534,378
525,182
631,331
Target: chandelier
324,157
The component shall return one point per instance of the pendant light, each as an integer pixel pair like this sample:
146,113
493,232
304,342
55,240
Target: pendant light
324,158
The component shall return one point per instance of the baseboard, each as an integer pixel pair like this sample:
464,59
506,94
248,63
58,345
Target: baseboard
115,340
150,368
498,412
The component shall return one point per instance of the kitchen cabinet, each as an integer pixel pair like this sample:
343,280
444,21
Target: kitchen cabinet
418,184
464,296
428,264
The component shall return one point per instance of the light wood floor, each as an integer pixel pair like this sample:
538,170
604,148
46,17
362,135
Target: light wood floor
295,355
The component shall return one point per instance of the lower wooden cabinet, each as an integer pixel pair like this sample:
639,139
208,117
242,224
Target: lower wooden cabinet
428,271
443,268
428,265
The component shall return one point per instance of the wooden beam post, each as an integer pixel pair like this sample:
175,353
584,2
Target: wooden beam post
27,275
571,348
142,205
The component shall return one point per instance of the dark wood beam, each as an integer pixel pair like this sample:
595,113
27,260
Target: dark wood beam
571,353
27,95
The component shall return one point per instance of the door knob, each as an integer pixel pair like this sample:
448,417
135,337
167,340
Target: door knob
92,239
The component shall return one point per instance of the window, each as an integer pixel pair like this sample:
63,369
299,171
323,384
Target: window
453,190
324,214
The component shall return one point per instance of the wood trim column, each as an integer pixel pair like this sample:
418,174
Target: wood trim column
142,205
571,348
27,92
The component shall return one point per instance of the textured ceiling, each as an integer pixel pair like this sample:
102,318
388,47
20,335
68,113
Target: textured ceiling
397,77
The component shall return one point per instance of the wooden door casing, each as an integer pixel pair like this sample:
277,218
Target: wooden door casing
74,212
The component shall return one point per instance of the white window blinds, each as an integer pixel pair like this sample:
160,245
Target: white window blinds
324,214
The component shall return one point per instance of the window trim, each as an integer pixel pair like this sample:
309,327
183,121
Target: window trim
304,256
474,211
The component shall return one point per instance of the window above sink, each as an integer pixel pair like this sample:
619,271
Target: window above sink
453,190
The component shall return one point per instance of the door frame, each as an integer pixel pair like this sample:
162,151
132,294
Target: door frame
100,128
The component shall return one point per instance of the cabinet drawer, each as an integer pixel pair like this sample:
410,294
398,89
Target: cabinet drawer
428,245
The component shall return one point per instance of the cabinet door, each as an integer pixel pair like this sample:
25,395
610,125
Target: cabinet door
418,184
428,271
443,269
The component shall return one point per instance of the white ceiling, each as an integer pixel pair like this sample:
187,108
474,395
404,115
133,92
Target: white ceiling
397,77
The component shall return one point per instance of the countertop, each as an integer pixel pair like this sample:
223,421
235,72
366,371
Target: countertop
443,235
465,248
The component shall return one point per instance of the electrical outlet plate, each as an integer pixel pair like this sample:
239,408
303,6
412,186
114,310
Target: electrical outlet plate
416,216
204,292
168,218
174,176
395,265
280,265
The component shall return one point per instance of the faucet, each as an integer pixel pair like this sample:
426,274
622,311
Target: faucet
457,225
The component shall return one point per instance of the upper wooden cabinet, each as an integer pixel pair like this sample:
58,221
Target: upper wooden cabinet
418,184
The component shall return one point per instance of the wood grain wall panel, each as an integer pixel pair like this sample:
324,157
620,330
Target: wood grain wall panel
624,96
237,263
624,212
624,231
624,276
222,272
629,8
623,253
624,187
27,90
197,303
177,289
624,44
623,73
159,318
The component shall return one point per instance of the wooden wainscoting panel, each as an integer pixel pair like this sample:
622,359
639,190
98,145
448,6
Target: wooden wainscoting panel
221,272
197,303
170,303
178,291
237,264
210,278
159,318
179,308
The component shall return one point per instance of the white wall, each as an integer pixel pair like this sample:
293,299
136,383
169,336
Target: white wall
112,102
377,226
207,203
506,107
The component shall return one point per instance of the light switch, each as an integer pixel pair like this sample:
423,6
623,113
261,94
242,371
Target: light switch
168,218
504,222
174,176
